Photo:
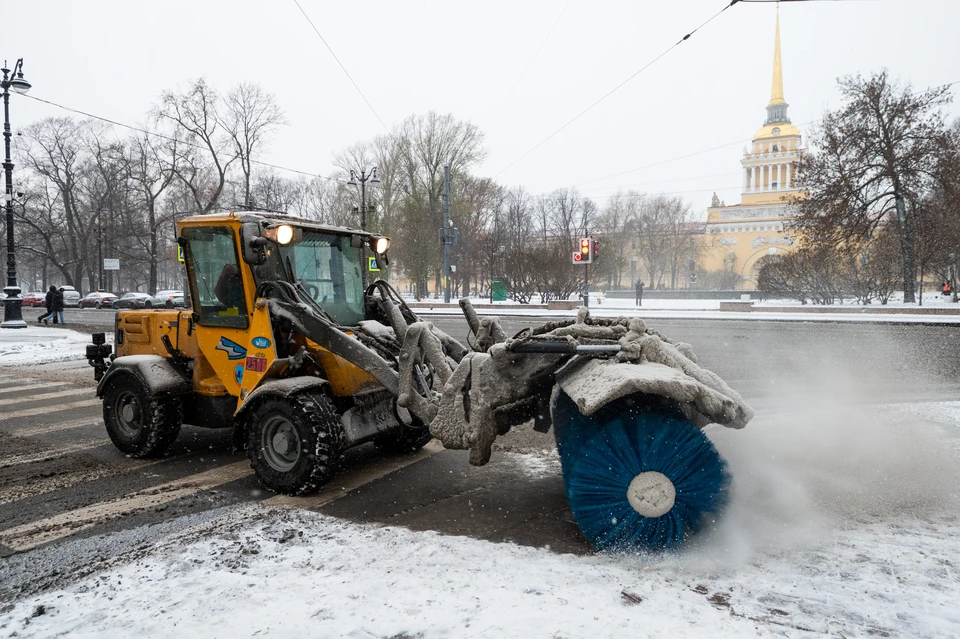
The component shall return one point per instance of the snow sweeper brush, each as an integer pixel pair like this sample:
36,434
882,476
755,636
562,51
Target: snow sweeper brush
627,407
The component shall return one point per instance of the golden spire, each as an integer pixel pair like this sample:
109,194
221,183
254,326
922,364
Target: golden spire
776,92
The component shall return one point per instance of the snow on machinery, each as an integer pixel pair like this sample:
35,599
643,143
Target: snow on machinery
285,345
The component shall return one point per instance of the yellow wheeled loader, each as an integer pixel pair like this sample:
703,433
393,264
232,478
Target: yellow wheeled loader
284,343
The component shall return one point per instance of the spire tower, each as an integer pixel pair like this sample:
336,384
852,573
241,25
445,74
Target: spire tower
777,108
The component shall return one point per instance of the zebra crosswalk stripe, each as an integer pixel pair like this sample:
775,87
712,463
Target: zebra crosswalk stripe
29,412
27,536
28,387
23,399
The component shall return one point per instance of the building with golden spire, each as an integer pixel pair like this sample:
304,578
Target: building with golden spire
739,236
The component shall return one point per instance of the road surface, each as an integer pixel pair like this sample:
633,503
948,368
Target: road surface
63,485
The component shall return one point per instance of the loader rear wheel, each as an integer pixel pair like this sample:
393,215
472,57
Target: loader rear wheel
638,476
139,424
295,443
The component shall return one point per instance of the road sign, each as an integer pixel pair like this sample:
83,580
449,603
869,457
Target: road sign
180,254
110,264
372,265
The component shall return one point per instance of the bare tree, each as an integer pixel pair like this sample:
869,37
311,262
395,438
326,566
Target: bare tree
877,157
150,176
249,115
662,232
202,150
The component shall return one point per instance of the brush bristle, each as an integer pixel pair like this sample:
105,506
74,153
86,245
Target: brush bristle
602,453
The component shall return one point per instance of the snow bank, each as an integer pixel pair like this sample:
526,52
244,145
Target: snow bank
42,345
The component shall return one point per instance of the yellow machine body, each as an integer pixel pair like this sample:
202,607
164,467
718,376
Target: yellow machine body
227,360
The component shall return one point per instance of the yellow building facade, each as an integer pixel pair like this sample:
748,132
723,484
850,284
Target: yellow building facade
738,237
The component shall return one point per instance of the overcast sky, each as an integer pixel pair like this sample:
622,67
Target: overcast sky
519,69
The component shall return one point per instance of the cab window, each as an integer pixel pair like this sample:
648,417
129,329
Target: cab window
216,284
328,269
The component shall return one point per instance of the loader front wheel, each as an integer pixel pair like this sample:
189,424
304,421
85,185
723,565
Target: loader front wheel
139,424
295,443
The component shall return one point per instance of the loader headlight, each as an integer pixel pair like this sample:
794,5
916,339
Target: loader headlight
380,244
282,233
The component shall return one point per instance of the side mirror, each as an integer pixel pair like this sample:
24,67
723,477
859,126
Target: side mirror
253,244
356,241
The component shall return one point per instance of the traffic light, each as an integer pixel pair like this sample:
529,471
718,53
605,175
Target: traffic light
586,250
596,249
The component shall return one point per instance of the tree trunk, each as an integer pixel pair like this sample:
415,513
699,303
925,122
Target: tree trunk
907,250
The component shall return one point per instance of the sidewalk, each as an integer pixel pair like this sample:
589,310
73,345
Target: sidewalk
935,310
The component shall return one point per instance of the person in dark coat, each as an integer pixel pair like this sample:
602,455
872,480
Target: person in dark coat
48,304
58,305
639,292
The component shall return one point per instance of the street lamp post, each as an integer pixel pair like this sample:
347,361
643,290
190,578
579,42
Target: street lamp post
362,178
12,304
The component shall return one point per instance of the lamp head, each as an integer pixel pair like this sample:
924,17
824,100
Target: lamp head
17,83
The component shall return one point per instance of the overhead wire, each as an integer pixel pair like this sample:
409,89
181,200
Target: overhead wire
171,139
347,73
616,88
537,53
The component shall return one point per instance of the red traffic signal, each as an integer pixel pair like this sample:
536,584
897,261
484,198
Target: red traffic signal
578,257
596,249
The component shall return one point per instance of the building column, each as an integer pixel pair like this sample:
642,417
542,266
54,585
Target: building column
789,175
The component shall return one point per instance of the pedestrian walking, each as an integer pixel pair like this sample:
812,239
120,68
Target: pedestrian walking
58,305
48,304
639,288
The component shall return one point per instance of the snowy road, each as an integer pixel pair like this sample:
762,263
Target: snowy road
843,521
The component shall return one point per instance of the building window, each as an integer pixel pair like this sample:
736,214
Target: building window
773,185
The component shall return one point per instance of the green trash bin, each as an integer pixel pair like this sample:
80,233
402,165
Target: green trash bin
499,290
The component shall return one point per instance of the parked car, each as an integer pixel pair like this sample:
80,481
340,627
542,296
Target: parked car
171,298
71,296
34,299
137,300
96,299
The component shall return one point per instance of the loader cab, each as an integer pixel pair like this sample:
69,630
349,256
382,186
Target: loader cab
232,258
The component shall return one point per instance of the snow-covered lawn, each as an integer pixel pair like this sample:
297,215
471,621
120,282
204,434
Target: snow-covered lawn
843,523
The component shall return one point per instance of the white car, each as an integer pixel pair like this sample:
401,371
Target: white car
171,297
71,296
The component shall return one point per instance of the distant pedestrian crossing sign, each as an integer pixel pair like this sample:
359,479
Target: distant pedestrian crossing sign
372,265
180,254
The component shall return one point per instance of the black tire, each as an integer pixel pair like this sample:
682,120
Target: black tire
97,306
139,424
169,304
295,444
148,304
411,437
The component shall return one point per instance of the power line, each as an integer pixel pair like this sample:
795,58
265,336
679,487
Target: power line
347,73
616,88
171,139
736,142
537,53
